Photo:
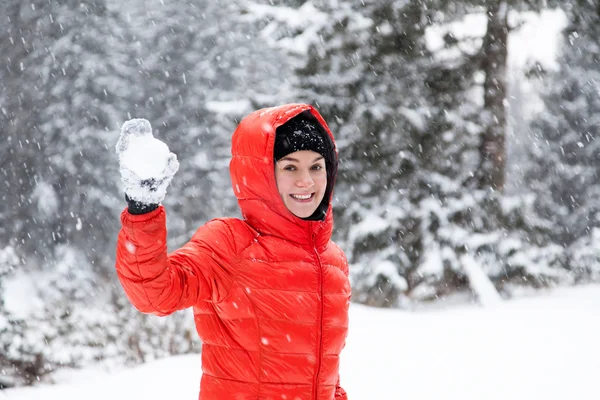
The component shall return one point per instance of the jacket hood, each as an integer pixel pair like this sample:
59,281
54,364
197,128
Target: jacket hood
252,172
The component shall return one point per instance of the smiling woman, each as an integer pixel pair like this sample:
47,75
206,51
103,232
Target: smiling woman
270,292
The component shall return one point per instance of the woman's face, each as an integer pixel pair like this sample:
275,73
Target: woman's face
301,181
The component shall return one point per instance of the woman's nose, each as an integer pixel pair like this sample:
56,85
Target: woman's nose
305,181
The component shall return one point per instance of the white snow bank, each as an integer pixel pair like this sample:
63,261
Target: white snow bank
542,347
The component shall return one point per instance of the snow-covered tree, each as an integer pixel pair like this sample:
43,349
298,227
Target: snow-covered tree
564,141
564,136
412,124
67,81
72,73
69,77
17,368
372,75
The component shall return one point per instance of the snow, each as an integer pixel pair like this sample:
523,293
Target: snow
389,270
234,107
142,157
537,347
19,294
46,198
145,156
524,41
370,224
481,284
433,264
295,18
535,39
416,119
306,19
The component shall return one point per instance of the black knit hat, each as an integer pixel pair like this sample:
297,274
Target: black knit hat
303,132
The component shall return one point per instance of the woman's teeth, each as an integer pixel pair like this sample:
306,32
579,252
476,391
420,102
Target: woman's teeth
302,197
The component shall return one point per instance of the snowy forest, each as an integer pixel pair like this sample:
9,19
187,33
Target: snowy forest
456,164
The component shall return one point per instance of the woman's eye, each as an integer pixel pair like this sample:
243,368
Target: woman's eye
289,168
317,167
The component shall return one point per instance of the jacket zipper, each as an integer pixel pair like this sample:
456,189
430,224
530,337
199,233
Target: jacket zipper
319,355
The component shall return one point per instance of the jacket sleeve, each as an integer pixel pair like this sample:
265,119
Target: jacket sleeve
340,393
160,283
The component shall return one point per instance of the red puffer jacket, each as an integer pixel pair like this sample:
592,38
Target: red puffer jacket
270,293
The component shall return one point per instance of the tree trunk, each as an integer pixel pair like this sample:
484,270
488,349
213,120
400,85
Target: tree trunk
495,52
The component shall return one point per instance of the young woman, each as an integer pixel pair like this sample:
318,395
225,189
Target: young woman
270,292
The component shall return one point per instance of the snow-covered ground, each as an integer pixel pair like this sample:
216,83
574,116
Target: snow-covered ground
538,347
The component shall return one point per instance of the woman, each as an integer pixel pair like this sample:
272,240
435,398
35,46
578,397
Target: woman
270,292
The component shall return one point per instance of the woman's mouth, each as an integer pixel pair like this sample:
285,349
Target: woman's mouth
303,198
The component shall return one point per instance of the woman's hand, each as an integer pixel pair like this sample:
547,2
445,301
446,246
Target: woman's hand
146,164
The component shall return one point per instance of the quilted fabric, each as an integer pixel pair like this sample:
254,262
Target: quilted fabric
270,292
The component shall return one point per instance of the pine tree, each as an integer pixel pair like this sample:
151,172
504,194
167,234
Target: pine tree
416,173
72,73
66,84
396,116
16,367
565,152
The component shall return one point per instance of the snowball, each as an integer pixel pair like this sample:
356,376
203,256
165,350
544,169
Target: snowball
137,127
145,156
